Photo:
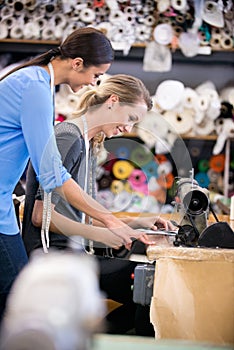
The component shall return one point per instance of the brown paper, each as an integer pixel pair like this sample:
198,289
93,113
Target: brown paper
193,295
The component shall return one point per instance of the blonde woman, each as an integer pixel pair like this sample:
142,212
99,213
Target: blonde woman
113,107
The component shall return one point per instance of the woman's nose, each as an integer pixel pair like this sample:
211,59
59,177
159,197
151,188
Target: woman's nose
128,128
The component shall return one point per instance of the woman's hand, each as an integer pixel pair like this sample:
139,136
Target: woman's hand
152,223
126,233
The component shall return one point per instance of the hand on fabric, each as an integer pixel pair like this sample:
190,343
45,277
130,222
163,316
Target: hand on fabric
127,234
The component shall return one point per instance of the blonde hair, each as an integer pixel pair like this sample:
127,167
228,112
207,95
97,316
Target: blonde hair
129,89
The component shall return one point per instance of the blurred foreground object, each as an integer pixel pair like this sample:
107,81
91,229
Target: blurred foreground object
55,304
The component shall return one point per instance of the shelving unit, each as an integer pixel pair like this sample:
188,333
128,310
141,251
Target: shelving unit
220,63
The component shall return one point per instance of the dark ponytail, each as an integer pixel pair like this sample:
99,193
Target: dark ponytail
88,43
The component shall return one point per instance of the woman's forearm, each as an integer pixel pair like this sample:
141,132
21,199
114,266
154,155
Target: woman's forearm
61,224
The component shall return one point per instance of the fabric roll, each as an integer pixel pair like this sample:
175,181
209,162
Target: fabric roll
121,201
137,180
31,30
105,198
166,181
217,163
164,168
17,32
141,156
226,42
203,165
202,179
205,127
3,31
213,175
163,34
150,169
122,152
122,169
181,123
105,182
117,186
48,33
169,94
87,15
215,42
190,98
179,5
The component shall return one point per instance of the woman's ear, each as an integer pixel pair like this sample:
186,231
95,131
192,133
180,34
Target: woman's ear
114,98
77,63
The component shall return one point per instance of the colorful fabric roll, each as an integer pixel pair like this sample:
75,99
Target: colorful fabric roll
202,179
150,169
141,156
122,169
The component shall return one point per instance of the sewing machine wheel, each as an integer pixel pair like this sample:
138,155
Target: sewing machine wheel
186,236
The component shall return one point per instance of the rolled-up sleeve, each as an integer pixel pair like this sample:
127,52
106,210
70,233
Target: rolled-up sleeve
38,130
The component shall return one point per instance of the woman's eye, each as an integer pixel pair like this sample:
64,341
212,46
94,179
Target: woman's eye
132,118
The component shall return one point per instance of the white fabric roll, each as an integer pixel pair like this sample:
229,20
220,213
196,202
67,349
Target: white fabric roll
164,168
169,94
180,5
206,127
17,32
189,43
10,22
226,42
181,123
163,5
190,98
31,30
202,103
163,34
87,15
3,31
48,33
215,42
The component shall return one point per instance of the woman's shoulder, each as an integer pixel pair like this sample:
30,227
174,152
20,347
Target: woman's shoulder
31,74
68,128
